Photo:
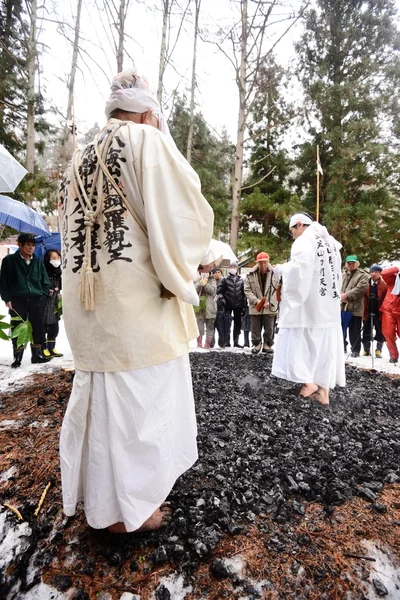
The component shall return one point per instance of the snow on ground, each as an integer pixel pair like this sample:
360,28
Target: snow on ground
13,539
175,585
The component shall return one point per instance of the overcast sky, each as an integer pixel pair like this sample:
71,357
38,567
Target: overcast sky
216,96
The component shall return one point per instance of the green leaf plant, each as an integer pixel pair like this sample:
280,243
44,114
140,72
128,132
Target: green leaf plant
23,332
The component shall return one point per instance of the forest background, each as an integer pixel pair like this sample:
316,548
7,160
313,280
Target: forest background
250,89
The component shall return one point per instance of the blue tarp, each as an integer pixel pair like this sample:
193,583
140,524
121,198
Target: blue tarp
51,242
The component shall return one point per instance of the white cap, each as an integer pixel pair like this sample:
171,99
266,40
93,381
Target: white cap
300,218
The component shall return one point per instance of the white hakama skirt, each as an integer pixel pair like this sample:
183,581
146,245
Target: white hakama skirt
125,439
310,355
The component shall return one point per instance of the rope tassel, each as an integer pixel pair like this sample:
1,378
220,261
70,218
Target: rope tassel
86,282
87,289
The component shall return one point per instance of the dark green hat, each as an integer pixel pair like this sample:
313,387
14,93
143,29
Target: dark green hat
351,258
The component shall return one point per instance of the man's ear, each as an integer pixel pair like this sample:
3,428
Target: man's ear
144,117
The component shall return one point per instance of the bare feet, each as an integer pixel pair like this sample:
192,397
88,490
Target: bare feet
160,518
321,396
307,389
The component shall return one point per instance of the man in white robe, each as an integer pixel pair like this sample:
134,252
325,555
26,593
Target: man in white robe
309,346
134,224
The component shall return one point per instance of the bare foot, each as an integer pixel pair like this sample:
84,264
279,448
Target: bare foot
307,389
321,396
160,518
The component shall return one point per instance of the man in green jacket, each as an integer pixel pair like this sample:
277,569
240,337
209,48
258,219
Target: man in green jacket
24,285
354,285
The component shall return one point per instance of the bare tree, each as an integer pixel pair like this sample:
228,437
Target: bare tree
167,48
163,48
30,121
116,18
247,52
66,146
193,88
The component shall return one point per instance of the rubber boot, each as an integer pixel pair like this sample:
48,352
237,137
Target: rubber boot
207,344
18,354
50,351
199,341
367,350
37,354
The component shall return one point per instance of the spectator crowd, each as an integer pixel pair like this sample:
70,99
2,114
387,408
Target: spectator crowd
370,311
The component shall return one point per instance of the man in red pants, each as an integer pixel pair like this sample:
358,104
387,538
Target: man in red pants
390,310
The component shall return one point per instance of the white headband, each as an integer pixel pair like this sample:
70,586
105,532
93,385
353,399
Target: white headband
131,92
300,218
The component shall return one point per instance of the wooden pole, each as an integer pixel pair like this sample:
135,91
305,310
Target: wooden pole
317,211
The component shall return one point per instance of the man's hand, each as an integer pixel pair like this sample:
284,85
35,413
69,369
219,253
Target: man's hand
203,281
9,305
343,297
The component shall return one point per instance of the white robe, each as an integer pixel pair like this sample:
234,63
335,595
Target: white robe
309,345
130,429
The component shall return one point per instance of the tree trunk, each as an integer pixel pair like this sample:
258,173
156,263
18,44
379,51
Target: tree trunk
163,49
238,174
30,121
67,149
121,34
191,117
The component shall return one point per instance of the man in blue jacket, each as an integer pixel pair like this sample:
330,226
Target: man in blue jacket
24,285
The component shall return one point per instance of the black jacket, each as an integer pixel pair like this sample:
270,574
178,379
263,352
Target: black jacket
232,290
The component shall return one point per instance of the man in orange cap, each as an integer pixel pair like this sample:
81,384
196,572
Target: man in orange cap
260,288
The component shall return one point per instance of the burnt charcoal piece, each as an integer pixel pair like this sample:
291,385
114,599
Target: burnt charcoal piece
88,569
379,587
41,401
379,508
162,593
115,559
48,390
178,551
365,492
251,591
62,582
81,595
159,556
219,569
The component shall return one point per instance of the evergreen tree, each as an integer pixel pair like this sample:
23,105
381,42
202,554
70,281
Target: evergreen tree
349,66
13,82
212,159
40,186
267,200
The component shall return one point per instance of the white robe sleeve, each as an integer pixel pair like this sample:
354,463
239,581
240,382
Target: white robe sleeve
297,274
178,217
